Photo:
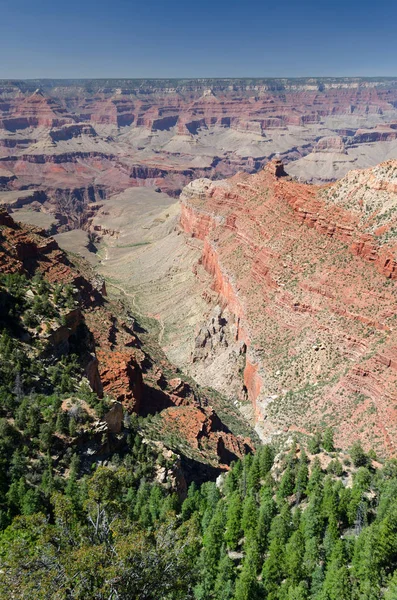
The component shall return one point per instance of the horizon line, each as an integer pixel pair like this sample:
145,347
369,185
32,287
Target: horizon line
224,78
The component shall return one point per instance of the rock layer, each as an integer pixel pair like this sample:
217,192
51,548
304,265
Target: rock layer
78,142
310,276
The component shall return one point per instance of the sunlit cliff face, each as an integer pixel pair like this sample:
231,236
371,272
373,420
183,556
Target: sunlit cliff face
311,282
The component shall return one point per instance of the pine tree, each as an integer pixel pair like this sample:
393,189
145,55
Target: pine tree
331,536
225,579
294,553
298,592
66,385
62,422
267,511
247,587
15,495
391,593
233,521
358,455
47,480
211,497
387,538
302,477
266,459
273,571
335,467
315,443
337,584
17,465
192,502
33,420
328,440
366,564
72,489
317,581
316,476
330,499
312,559
281,526
30,503
212,548
254,477
169,508
313,519
46,433
72,428
250,513
232,481
156,499
246,462
287,483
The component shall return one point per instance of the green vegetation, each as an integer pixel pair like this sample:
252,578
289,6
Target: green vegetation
280,530
84,515
30,311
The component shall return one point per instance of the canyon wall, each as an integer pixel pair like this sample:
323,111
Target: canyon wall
291,267
309,275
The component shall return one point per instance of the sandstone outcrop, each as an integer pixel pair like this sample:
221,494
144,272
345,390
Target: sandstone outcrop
202,429
330,144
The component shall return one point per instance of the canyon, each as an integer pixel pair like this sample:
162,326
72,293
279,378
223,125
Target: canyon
65,145
270,287
118,362
278,294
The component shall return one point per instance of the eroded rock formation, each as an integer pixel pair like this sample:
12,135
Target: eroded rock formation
111,354
308,276
76,143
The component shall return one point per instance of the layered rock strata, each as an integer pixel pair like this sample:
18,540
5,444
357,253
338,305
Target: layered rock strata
78,142
309,275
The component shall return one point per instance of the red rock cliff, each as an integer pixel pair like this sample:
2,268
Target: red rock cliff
310,274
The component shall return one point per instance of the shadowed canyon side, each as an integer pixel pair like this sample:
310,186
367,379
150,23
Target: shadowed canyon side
66,145
122,365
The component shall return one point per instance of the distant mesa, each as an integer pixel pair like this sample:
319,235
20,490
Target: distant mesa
330,144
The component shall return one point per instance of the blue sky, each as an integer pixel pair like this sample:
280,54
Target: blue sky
207,38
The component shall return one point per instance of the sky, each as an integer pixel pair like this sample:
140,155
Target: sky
206,38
